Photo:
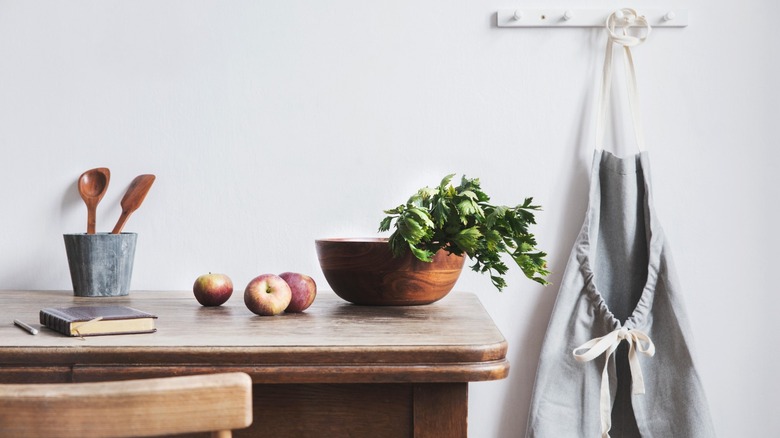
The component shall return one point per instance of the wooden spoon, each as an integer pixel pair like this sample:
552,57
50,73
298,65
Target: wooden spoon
133,198
92,186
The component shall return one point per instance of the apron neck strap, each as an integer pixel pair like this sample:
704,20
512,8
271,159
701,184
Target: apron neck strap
627,18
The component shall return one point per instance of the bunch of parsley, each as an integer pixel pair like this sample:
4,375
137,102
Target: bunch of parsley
461,220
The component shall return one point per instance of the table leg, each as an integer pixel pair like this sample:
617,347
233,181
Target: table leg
440,410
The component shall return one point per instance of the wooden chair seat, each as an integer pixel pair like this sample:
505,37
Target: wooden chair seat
216,403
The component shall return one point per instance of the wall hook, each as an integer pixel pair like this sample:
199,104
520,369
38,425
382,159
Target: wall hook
585,17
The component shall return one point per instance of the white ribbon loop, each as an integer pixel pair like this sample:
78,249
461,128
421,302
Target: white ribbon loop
625,19
607,344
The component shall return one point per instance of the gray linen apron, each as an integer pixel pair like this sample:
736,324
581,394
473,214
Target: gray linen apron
616,356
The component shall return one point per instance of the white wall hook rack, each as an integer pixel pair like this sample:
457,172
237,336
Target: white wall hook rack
522,17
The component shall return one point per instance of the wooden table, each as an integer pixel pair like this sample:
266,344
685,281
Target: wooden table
335,370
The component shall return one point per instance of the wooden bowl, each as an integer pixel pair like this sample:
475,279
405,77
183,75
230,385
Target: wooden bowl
364,271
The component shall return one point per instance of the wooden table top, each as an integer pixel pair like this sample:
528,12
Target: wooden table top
333,341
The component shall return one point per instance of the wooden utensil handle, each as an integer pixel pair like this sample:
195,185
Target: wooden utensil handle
91,220
121,222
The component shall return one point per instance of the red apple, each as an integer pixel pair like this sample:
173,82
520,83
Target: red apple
303,288
212,289
267,295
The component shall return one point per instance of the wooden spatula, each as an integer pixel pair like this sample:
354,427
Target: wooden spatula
133,198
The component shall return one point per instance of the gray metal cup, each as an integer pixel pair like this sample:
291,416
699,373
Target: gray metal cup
101,265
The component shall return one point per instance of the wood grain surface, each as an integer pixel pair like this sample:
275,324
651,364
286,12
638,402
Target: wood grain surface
336,370
333,341
149,407
365,271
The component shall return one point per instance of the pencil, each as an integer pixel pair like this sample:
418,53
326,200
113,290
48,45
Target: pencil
29,329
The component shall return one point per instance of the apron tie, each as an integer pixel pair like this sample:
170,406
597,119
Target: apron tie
607,344
625,19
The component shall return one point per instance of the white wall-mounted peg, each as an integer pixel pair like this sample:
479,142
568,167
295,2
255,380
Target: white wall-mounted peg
585,17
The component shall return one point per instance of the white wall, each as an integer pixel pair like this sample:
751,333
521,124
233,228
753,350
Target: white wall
270,124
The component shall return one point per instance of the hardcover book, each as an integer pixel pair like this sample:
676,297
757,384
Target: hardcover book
97,320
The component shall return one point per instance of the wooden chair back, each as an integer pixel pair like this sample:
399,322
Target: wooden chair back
216,403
